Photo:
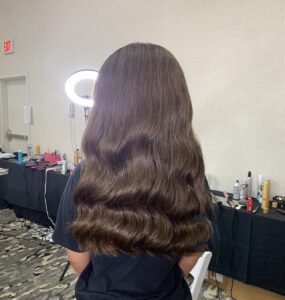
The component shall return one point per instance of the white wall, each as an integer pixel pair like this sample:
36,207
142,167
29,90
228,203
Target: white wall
232,53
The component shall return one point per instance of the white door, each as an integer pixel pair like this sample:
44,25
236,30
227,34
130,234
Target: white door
13,98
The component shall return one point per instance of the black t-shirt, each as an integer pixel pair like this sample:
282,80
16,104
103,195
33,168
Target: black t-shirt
123,277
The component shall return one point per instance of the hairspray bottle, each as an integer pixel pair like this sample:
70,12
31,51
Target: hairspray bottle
63,164
265,196
29,150
243,190
37,150
20,156
236,190
76,157
249,184
249,204
260,181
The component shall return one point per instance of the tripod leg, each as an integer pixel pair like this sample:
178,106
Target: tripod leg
64,271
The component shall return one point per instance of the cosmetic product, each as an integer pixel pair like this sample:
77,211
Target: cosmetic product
274,204
76,157
20,156
243,190
63,164
79,157
236,190
260,181
265,196
249,184
37,150
29,151
249,204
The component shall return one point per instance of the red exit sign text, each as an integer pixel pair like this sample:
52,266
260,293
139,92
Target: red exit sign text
8,47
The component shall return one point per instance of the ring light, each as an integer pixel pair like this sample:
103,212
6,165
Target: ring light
73,80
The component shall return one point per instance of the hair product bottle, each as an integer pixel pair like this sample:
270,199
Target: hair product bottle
20,156
63,164
79,156
236,190
260,181
265,196
249,204
249,184
243,190
29,150
76,157
37,149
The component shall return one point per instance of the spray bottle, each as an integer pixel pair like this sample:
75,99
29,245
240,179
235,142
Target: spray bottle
63,164
243,190
76,157
260,182
20,156
249,184
236,190
265,196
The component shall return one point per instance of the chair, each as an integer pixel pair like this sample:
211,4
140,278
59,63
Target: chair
199,272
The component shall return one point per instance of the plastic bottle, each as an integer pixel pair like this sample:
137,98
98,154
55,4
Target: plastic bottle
37,150
29,151
236,190
76,157
243,190
79,157
260,182
20,156
249,184
249,204
63,164
265,196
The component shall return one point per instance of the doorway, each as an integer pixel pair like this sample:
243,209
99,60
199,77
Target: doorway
14,134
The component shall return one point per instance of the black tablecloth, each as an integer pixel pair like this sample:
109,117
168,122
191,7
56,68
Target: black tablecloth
251,248
23,188
3,189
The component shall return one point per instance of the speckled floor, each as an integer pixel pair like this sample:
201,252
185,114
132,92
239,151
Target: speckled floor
30,268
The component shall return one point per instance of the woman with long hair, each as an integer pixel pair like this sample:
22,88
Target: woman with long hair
133,216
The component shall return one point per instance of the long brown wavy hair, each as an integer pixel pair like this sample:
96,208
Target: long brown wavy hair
142,186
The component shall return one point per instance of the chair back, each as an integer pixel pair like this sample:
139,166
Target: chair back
199,272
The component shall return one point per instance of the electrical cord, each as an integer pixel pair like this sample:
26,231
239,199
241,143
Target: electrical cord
27,194
233,231
24,224
232,252
231,291
36,231
218,218
217,284
45,191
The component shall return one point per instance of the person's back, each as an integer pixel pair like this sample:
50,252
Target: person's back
133,215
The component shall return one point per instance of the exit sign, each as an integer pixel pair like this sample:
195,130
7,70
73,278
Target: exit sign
8,47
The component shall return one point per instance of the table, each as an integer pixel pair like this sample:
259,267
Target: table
251,247
23,189
3,190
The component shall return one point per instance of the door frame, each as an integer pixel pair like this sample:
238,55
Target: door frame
3,127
